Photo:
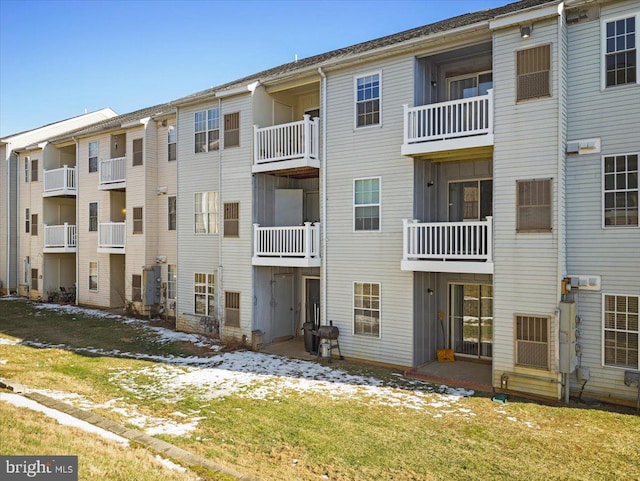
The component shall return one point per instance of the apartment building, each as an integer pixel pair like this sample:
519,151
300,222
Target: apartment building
469,185
38,184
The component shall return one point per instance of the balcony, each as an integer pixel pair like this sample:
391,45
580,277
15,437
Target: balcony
60,182
111,237
287,146
60,238
113,173
296,246
445,126
448,246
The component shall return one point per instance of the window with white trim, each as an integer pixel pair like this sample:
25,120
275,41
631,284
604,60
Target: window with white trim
204,294
172,281
533,68
207,130
172,143
93,217
34,279
231,219
532,341
34,170
27,170
137,152
232,130
232,309
138,220
171,212
136,288
533,203
34,224
620,331
206,212
620,185
27,221
93,276
366,309
93,156
620,52
367,93
366,204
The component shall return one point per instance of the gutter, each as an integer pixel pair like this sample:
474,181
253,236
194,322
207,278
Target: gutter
323,166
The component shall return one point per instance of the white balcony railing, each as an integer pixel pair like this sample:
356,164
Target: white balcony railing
62,181
111,235
295,140
299,241
113,170
448,120
60,236
448,240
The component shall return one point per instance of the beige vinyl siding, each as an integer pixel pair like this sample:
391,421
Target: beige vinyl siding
370,256
611,115
526,265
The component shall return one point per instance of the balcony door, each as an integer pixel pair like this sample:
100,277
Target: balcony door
467,86
471,319
470,200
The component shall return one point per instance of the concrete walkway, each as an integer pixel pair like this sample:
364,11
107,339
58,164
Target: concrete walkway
177,454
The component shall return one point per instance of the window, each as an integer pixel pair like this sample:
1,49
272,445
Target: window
137,151
620,185
206,212
171,209
34,279
231,219
136,288
93,156
620,324
232,130
533,205
172,280
204,290
468,86
366,309
27,221
207,130
621,54
27,170
34,224
93,276
34,170
232,309
534,72
470,200
532,341
366,204
137,220
367,100
93,217
172,138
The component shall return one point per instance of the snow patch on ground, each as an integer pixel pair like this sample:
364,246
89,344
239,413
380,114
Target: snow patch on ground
62,418
167,463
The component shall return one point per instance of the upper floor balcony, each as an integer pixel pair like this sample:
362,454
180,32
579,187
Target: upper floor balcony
62,181
113,173
456,124
111,237
294,145
290,246
60,238
465,246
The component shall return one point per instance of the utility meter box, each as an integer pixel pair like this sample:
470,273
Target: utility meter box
152,282
568,356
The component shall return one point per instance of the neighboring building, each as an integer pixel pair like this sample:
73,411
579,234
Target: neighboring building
439,188
24,159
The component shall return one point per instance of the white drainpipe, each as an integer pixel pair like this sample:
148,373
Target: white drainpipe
323,166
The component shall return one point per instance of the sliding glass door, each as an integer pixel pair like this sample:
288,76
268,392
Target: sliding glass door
471,314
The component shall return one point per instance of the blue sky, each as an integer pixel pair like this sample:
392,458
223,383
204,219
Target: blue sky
58,58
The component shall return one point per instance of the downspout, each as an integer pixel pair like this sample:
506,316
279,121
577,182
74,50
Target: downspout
78,186
220,215
560,187
323,167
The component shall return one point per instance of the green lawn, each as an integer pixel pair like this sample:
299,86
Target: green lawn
295,427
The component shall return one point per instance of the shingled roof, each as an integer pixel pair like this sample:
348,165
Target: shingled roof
371,45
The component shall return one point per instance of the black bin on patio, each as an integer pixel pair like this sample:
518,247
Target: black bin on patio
310,338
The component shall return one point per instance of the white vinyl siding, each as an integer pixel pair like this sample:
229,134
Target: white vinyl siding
206,212
620,331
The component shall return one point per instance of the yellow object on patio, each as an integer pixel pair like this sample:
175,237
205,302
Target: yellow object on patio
445,355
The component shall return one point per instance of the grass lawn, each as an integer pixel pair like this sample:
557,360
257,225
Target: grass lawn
282,420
